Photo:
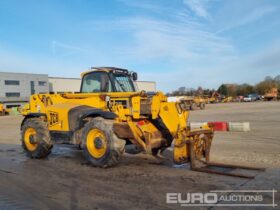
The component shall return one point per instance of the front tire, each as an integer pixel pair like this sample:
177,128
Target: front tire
101,147
35,138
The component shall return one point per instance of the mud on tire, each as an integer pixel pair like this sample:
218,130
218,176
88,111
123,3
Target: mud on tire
43,144
114,145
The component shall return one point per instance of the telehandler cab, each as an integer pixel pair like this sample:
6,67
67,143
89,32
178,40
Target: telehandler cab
109,115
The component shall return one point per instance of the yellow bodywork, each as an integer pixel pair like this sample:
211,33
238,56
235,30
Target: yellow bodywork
227,99
2,110
62,103
213,100
199,99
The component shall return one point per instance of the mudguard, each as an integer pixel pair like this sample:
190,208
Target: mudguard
32,115
77,114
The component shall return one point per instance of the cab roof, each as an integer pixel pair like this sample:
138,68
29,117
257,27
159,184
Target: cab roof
105,69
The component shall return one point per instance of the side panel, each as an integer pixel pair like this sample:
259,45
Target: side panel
68,116
58,116
173,118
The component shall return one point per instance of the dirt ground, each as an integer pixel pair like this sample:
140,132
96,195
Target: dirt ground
64,181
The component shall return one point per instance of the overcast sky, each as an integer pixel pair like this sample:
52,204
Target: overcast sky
173,42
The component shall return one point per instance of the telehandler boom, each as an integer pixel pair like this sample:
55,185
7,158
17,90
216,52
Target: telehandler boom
110,115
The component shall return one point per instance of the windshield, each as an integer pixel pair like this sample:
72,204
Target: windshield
96,82
123,83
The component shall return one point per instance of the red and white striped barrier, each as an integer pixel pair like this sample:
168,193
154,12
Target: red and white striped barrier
219,126
197,125
239,126
223,126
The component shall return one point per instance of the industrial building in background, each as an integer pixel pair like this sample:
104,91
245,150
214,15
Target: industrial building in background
16,88
62,84
148,86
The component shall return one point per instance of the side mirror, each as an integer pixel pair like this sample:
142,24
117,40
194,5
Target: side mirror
134,76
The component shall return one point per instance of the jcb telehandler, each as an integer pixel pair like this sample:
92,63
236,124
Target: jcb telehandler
109,115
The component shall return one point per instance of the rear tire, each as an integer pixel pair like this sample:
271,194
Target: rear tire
192,106
35,138
101,147
202,106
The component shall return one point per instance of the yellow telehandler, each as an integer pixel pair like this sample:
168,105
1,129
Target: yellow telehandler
108,116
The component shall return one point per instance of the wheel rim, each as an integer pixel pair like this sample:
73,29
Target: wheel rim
96,143
29,136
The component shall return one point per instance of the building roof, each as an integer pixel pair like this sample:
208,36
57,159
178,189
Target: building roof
65,78
23,73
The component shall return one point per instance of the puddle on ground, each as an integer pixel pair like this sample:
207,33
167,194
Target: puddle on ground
67,151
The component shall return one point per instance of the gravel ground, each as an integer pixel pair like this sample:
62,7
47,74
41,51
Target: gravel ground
258,147
64,181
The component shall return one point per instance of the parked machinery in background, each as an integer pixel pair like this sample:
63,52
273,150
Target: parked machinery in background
190,102
271,95
199,101
215,98
2,110
227,99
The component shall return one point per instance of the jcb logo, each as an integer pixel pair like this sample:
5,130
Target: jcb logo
53,118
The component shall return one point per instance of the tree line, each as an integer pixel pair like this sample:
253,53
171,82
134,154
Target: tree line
232,89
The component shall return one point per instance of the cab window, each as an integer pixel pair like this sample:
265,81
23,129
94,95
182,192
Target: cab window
96,82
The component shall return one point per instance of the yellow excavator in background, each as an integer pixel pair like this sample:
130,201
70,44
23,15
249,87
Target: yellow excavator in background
108,116
215,97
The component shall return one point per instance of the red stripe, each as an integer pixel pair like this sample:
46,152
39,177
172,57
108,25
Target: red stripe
219,126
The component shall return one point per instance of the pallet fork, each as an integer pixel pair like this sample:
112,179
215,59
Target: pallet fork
207,166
